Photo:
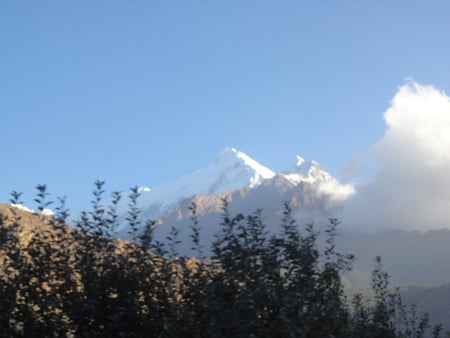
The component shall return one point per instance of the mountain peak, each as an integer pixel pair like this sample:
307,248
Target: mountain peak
231,154
231,170
299,160
233,158
303,170
227,153
237,165
228,150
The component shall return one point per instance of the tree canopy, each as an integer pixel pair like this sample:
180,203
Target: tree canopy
57,280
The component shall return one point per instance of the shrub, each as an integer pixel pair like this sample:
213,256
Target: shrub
83,282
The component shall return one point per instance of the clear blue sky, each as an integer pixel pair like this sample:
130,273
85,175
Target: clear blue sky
143,92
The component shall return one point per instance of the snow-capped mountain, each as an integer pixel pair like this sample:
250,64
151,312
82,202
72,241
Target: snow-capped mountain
231,170
306,171
313,193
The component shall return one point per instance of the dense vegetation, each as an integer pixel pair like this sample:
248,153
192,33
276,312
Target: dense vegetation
58,282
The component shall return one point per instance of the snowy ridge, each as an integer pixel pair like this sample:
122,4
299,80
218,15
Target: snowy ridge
312,172
232,170
45,212
306,171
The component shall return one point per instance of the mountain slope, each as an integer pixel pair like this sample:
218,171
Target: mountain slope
231,170
306,171
247,185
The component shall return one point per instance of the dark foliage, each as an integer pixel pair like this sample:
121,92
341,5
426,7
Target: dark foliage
62,282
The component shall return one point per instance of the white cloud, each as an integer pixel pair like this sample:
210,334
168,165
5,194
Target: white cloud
410,188
336,191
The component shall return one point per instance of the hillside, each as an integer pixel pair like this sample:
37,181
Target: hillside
57,280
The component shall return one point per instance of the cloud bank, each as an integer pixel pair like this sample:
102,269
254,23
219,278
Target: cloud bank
410,185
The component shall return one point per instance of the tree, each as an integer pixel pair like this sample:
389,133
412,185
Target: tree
82,282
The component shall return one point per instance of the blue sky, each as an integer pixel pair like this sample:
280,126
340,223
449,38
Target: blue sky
143,92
